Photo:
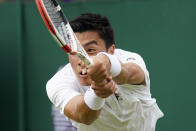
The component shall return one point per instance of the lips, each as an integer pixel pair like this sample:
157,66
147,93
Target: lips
83,73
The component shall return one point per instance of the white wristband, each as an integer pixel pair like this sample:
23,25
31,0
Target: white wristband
92,100
115,68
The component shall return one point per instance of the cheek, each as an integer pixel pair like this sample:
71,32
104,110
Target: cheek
73,61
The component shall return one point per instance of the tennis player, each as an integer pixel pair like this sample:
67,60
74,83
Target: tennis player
112,95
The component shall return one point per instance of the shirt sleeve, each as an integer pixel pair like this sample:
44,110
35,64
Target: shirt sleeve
61,88
125,57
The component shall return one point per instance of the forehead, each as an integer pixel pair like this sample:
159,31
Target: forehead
88,36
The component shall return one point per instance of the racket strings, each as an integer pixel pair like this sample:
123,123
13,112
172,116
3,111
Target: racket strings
67,34
80,48
53,13
57,21
66,37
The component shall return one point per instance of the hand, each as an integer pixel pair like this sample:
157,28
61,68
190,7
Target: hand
104,88
100,69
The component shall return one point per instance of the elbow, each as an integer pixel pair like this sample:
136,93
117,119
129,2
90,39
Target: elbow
87,122
79,112
84,120
88,119
136,76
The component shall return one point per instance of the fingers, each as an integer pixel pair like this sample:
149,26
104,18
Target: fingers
106,89
99,71
102,95
102,82
109,87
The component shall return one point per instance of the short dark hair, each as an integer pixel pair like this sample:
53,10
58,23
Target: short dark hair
94,22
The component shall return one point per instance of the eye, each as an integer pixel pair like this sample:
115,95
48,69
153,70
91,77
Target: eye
91,51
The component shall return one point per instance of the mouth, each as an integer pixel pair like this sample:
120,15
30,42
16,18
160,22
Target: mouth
83,73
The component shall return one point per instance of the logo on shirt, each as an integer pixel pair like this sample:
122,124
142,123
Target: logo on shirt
118,97
130,58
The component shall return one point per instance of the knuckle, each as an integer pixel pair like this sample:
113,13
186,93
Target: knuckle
108,90
98,63
89,71
93,87
114,89
104,75
111,91
102,68
96,92
104,96
99,84
99,94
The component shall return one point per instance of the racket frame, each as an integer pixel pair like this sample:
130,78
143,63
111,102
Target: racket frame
57,36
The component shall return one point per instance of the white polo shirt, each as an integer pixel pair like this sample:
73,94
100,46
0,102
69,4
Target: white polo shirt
132,110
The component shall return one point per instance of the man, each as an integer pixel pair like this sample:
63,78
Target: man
113,94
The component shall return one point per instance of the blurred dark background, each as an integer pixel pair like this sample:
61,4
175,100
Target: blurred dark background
162,31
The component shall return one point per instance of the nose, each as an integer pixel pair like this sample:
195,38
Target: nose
81,64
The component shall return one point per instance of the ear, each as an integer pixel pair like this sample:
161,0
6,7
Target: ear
111,49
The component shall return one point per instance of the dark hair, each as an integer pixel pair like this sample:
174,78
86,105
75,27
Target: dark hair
94,22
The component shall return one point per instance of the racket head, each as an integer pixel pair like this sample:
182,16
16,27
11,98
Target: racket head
55,21
61,30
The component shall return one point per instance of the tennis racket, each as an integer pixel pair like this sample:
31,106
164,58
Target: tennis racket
59,27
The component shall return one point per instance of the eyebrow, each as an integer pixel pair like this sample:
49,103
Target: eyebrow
90,43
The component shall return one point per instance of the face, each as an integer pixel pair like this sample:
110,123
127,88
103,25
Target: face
93,44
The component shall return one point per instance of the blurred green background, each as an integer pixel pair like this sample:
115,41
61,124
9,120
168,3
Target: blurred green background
162,31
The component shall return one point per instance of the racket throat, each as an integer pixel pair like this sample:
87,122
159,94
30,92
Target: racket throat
87,60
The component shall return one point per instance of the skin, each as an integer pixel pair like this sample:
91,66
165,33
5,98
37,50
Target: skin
98,76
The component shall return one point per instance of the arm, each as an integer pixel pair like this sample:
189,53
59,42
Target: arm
63,93
130,73
77,110
78,107
103,85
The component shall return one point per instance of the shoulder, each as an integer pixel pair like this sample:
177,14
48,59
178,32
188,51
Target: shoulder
127,56
65,68
120,52
65,73
62,87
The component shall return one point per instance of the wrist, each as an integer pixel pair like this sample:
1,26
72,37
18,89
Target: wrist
115,65
92,100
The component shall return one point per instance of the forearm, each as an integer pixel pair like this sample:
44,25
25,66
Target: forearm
123,73
130,74
77,110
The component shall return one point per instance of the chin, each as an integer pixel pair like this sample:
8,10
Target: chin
84,79
85,82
